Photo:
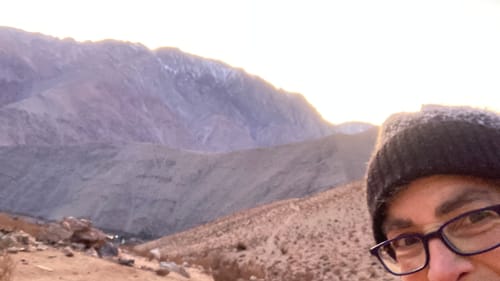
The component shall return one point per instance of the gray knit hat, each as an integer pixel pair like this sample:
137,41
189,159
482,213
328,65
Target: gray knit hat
435,140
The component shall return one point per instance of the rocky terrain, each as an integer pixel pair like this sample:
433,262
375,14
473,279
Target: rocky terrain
152,190
59,92
44,251
322,237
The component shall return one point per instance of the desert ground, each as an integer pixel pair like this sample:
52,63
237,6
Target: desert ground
52,265
51,262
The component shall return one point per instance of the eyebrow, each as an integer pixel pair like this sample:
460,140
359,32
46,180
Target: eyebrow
468,195
396,223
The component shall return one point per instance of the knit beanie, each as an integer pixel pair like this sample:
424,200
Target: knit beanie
435,140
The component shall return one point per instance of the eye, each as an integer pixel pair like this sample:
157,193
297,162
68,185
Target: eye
405,242
481,216
473,223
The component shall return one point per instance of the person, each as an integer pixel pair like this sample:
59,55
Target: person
433,193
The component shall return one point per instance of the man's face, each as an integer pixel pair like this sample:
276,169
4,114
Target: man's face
429,202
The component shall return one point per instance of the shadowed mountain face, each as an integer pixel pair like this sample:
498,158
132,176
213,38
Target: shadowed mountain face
154,190
59,92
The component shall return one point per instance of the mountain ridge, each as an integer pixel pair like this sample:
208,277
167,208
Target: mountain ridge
153,142
62,92
155,190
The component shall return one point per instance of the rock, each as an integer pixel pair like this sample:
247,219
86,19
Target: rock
52,233
162,272
41,247
78,246
68,252
73,224
155,254
78,232
127,262
7,241
92,252
13,250
62,243
107,250
173,267
92,237
22,238
44,268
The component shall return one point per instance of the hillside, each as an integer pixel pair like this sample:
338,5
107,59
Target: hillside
152,190
64,92
322,237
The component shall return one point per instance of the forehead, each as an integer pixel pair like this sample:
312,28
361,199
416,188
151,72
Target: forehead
426,200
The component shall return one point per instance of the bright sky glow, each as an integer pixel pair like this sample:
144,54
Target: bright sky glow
352,59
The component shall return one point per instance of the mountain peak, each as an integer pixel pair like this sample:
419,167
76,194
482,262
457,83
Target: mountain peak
113,91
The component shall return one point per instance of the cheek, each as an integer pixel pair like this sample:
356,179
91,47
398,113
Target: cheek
489,261
419,276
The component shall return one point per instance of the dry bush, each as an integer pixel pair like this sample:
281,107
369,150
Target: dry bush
227,267
6,267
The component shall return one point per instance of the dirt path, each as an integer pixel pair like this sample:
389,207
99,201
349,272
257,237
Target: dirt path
270,242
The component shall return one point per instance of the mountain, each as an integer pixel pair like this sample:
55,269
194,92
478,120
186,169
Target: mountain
322,237
153,142
350,128
154,190
63,92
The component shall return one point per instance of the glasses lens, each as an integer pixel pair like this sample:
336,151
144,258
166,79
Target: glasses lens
404,254
474,232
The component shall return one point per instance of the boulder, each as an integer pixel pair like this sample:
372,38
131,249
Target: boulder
154,254
108,249
173,267
162,272
52,233
126,261
71,231
73,224
68,252
6,241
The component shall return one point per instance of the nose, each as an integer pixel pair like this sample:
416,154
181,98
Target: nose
444,265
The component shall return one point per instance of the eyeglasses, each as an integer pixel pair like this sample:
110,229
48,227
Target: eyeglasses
468,234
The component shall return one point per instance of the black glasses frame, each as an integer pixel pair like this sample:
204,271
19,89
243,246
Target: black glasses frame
439,233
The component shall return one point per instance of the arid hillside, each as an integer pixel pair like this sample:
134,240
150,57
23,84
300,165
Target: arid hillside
153,190
323,237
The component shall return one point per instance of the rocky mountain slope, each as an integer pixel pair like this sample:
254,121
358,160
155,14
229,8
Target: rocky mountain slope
60,92
149,189
322,237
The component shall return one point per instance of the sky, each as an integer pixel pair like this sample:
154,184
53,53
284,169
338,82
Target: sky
353,60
